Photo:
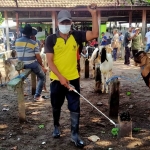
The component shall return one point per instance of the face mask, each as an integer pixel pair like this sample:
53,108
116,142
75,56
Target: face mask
64,28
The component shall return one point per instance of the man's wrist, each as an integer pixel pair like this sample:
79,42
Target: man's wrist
94,14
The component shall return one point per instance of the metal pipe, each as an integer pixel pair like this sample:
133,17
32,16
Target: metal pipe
94,107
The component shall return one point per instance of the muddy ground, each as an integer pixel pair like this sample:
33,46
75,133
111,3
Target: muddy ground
28,136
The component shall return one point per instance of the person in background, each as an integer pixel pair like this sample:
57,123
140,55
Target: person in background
93,42
104,40
108,36
115,43
136,42
121,46
62,60
127,43
32,59
147,39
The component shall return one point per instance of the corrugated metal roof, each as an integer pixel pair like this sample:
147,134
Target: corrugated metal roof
67,3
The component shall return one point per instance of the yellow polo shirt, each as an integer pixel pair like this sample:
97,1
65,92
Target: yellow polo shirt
65,55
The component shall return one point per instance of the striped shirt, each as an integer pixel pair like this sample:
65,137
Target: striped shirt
31,49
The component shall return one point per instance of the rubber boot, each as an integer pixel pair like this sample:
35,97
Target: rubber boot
75,130
56,116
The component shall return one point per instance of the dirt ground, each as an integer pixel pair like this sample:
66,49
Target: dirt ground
29,135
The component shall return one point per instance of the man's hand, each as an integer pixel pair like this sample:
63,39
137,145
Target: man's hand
44,69
92,8
64,81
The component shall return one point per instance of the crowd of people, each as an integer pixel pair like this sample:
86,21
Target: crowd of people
126,45
63,50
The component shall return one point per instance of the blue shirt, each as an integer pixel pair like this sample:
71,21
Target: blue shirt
31,49
104,40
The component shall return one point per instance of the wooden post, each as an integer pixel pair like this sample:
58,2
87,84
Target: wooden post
98,79
7,30
33,80
143,24
114,98
99,25
86,68
125,128
54,21
17,22
130,18
21,105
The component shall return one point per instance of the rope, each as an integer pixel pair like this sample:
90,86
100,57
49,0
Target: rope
123,77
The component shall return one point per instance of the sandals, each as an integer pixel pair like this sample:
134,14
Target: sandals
38,99
41,98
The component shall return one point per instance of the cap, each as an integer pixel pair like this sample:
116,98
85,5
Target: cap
64,15
136,28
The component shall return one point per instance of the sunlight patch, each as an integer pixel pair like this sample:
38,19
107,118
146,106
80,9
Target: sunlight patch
35,113
134,144
3,126
95,119
104,143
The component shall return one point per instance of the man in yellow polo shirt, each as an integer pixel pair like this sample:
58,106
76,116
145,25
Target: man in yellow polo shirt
61,51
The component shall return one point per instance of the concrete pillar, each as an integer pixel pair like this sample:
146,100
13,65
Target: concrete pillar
143,24
54,21
7,30
17,23
110,27
130,18
99,24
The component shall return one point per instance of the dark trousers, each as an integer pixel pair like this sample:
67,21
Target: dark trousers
127,55
59,92
115,54
134,51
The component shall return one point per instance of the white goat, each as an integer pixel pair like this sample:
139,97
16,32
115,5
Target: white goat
106,66
102,62
43,56
10,70
95,63
95,60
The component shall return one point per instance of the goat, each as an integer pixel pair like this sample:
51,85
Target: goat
43,56
142,59
102,59
95,60
106,66
10,71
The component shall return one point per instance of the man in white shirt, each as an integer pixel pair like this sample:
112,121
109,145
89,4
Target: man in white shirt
121,47
115,43
108,35
147,39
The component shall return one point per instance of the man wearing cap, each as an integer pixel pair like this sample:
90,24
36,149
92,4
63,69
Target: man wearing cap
62,60
136,42
127,43
31,58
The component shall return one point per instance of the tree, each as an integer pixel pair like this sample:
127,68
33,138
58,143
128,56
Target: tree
1,18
